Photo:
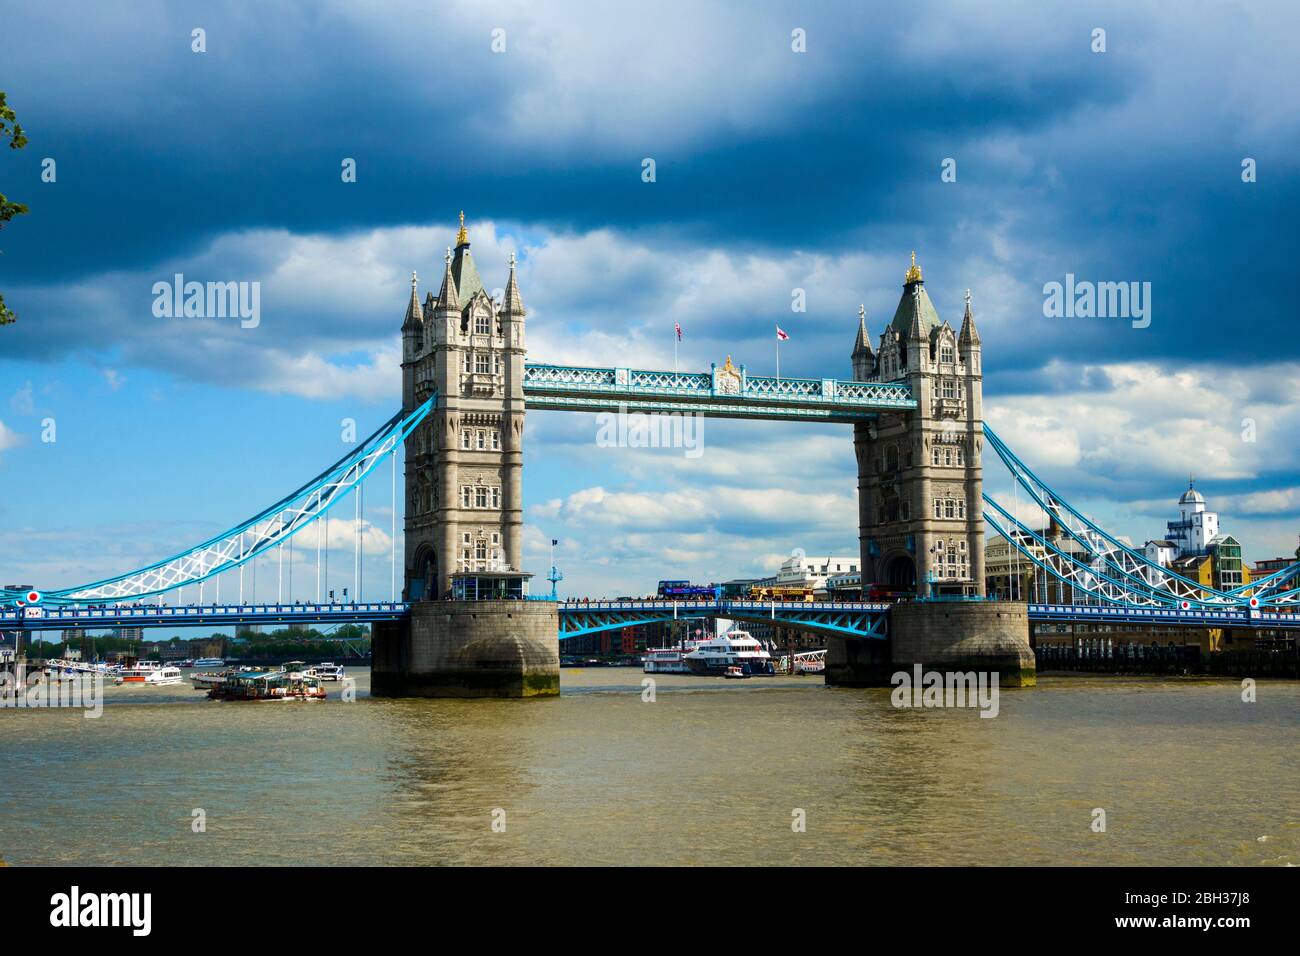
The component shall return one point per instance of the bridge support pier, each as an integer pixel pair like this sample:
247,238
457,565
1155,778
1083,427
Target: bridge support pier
945,636
468,649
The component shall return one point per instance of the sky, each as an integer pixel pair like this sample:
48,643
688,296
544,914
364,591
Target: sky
775,170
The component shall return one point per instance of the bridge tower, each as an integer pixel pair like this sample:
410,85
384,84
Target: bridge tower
464,508
464,462
920,484
920,502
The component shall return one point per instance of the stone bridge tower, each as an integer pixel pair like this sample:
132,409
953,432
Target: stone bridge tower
920,484
464,462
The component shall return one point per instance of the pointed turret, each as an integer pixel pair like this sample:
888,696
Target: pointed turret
969,334
914,307
448,296
512,303
414,314
864,359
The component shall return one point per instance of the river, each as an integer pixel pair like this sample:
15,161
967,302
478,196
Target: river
710,771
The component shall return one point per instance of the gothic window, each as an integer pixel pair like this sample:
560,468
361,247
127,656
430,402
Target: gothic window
482,440
949,388
945,353
496,364
938,508
961,390
947,457
496,556
949,508
482,364
464,538
496,440
480,551
464,438
496,497
480,497
961,509
496,537
465,496
467,362
961,456
482,325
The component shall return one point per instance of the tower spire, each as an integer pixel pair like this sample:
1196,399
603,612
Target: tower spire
462,237
913,272
511,302
448,298
414,314
863,341
969,335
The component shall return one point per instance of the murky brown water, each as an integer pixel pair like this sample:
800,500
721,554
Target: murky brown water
708,773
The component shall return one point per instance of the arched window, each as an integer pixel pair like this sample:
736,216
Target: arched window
482,324
945,353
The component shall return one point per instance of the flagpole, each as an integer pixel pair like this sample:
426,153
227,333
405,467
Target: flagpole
778,358
674,351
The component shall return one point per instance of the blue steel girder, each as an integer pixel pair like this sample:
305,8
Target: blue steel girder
856,619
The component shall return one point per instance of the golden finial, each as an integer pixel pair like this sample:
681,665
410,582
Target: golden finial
914,273
462,237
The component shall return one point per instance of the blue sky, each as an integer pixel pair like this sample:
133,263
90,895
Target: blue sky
775,170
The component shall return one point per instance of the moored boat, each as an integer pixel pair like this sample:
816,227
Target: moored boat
326,671
149,672
268,685
733,649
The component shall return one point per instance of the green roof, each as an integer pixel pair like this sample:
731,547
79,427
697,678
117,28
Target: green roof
902,322
468,284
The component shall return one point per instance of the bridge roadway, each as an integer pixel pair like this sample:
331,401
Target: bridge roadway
852,618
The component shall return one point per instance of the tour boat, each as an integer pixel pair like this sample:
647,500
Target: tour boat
733,649
268,685
208,679
209,662
326,671
668,660
149,672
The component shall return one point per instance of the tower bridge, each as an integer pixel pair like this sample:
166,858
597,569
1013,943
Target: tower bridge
915,406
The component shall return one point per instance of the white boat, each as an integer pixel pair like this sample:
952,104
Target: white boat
325,671
208,679
733,649
210,662
667,660
63,668
149,672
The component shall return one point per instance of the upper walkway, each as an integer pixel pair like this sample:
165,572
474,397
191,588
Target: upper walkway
726,392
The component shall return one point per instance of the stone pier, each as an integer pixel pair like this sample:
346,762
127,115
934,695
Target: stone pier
469,649
944,636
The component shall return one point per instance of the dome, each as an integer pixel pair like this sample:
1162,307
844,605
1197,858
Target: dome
1191,497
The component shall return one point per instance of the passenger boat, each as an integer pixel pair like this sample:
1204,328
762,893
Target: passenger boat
326,671
268,685
62,669
210,662
735,673
668,660
149,672
733,649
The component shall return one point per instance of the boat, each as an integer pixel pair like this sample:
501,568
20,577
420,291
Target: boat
149,672
64,668
735,673
210,662
208,679
667,660
326,671
268,685
733,649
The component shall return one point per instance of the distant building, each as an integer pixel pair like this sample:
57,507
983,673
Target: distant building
129,633
800,570
1196,526
1219,567
1010,574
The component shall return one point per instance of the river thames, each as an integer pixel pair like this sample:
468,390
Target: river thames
710,772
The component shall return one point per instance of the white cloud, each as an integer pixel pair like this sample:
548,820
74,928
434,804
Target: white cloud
8,437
